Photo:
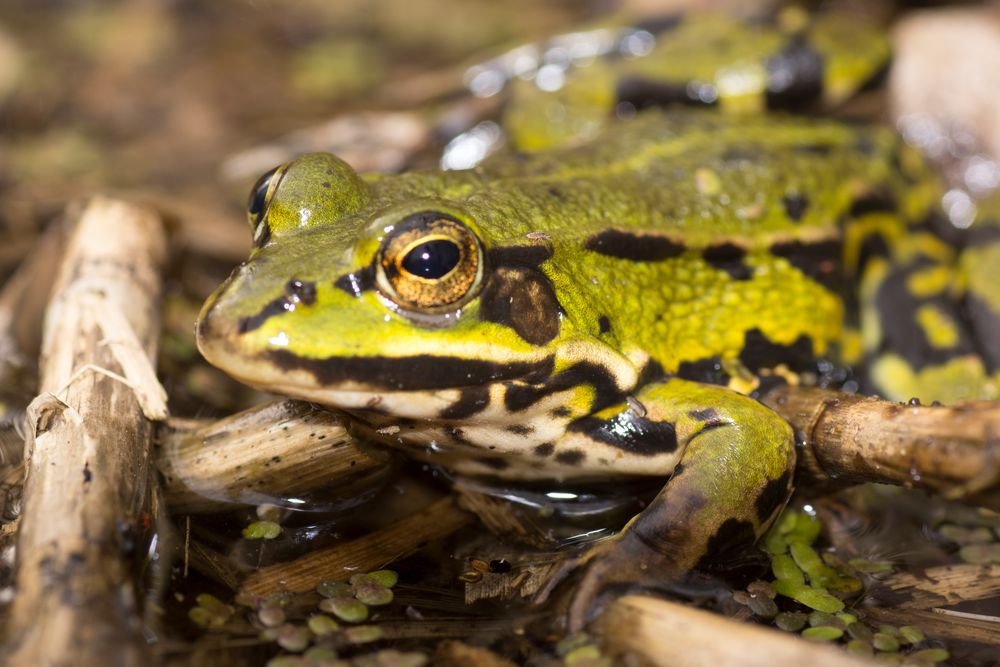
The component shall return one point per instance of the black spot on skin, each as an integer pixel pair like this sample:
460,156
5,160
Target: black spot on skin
526,256
985,325
982,233
418,372
555,192
560,413
901,334
732,535
866,146
545,449
877,79
704,415
570,457
678,469
772,497
325,184
794,76
604,324
938,224
630,433
519,397
759,352
520,429
874,245
276,307
820,261
634,247
522,299
650,373
712,425
707,371
874,202
729,258
645,92
493,462
660,24
813,149
296,292
471,401
796,206
358,282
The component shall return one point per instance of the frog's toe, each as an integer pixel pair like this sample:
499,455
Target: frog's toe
586,581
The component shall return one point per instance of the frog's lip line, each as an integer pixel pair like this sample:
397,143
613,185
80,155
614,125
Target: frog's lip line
419,372
371,374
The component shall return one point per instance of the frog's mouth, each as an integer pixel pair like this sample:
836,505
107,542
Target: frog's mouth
426,382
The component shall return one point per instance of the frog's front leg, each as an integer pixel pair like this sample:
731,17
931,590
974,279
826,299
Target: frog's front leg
732,479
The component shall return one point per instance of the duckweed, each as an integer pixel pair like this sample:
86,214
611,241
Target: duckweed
262,530
347,609
823,633
321,624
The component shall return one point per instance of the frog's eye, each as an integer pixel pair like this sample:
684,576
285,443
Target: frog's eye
430,261
260,199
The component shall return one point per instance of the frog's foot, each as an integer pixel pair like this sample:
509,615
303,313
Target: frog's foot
624,561
733,478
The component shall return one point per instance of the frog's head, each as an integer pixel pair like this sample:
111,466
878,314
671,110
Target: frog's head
361,296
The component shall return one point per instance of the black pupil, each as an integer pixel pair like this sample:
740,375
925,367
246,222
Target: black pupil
432,259
258,194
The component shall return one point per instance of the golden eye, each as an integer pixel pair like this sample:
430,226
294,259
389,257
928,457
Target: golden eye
431,261
260,199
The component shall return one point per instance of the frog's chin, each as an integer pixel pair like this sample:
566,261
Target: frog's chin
402,404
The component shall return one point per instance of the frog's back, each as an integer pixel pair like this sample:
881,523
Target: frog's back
697,239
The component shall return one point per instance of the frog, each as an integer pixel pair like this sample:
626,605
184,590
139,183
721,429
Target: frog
611,305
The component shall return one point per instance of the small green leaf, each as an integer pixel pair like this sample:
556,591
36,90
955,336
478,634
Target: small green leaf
806,557
818,618
860,647
346,609
810,597
806,529
785,569
869,567
885,642
387,578
823,633
362,634
321,624
262,530
334,589
911,634
369,591
790,621
930,655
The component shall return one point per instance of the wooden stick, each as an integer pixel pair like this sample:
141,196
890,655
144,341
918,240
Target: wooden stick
674,635
370,552
940,586
87,451
952,450
282,449
942,623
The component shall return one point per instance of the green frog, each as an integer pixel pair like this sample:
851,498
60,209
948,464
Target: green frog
609,304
